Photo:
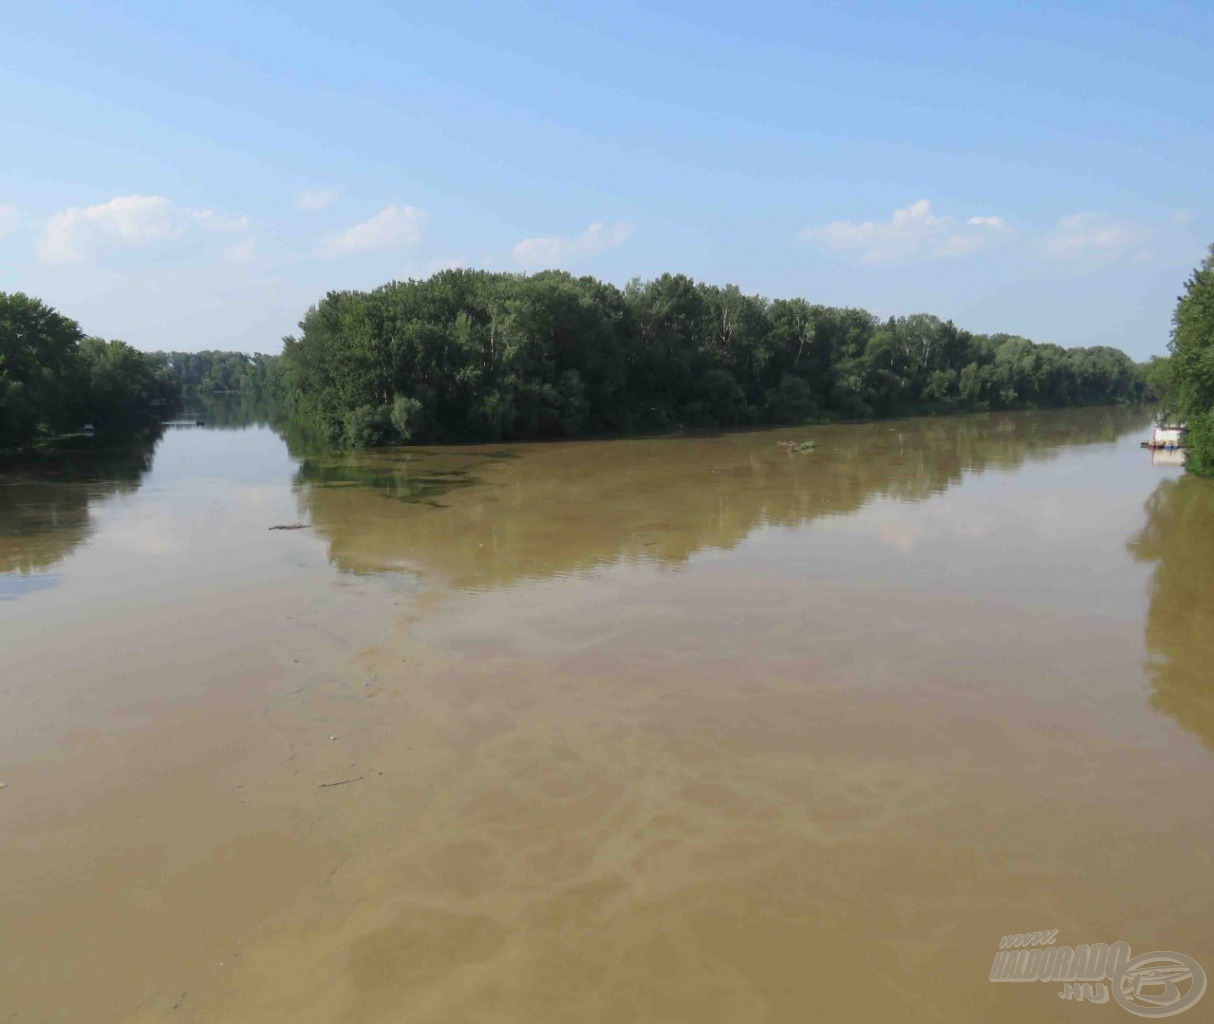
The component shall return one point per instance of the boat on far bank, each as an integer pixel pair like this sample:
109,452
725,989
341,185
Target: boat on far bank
1167,436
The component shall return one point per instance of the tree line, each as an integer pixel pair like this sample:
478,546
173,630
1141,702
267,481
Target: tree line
470,356
1185,380
54,378
214,372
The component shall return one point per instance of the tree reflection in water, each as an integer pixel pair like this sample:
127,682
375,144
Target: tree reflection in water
489,517
1179,538
45,501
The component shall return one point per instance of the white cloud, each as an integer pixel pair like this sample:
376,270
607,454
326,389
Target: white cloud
213,221
909,231
10,217
391,228
313,200
553,251
1184,217
73,234
998,223
1091,234
241,252
962,243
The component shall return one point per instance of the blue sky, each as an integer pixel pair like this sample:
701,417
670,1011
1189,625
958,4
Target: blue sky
196,175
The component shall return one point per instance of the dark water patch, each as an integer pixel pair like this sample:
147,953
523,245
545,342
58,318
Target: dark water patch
45,499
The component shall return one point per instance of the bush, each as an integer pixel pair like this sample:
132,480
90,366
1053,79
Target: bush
366,426
407,416
1199,444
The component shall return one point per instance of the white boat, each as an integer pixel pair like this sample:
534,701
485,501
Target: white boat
1166,435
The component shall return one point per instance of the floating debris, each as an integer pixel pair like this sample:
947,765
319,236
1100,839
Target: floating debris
798,447
342,782
291,526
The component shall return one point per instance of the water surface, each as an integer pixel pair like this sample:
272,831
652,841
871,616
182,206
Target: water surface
683,729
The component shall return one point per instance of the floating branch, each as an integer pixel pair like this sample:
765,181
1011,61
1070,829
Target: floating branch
798,447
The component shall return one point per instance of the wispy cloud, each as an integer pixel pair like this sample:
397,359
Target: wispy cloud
74,234
313,200
555,251
978,233
910,231
10,217
1083,235
393,227
241,252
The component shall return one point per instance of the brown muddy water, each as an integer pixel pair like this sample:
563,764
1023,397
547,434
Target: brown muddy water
669,730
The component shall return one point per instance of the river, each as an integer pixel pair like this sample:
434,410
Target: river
673,729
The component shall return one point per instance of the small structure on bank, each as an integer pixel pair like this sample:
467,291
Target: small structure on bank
1167,436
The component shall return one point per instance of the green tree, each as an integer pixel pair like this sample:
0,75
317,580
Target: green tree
119,383
38,369
1157,375
1193,365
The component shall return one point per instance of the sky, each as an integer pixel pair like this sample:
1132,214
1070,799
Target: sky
189,176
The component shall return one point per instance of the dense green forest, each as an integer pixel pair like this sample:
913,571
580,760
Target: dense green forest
1189,379
477,356
54,378
214,372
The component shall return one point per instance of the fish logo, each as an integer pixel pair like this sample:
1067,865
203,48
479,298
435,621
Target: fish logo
1160,984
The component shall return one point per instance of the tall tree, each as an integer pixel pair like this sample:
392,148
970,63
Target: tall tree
39,388
1193,364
